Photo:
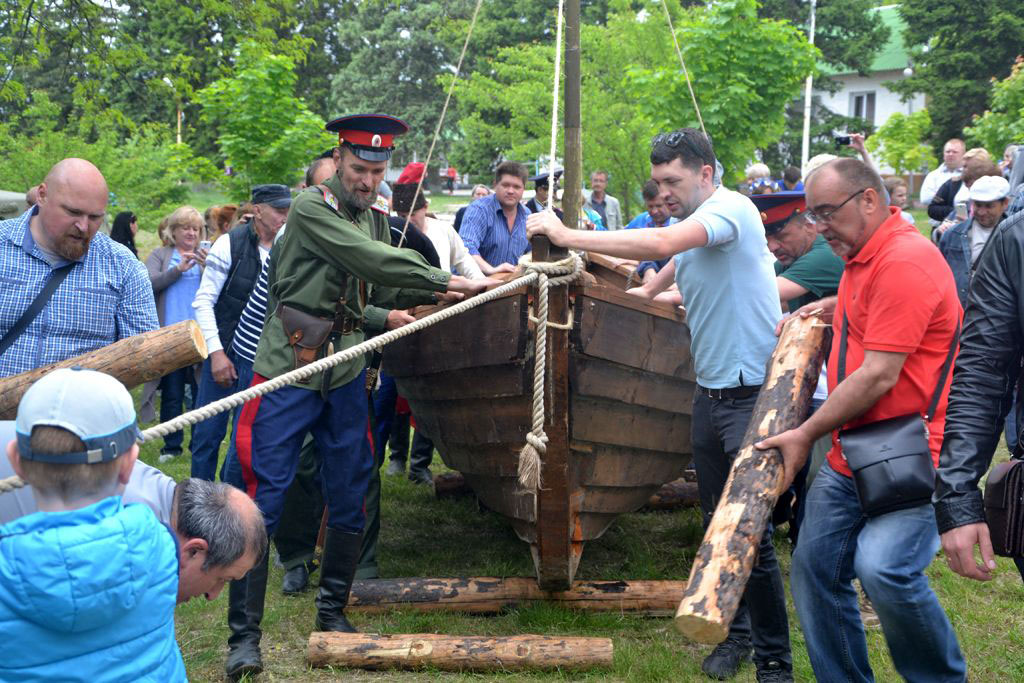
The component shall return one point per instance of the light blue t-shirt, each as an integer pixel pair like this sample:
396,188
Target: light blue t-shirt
729,289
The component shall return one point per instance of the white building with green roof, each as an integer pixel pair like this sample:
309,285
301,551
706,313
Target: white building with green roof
865,96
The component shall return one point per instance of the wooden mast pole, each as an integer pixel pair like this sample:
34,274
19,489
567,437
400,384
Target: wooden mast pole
556,555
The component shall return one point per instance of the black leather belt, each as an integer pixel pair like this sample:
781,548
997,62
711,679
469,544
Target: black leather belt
745,391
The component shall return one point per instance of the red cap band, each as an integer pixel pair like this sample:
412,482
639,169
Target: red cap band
364,139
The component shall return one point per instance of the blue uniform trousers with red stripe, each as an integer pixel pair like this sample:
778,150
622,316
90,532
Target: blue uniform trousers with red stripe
270,435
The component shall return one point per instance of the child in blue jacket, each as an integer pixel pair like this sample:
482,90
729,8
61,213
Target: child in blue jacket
87,584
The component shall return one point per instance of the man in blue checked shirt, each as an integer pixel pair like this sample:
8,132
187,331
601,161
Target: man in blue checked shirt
494,227
106,294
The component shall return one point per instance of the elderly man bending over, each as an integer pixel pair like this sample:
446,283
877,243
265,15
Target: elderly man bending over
219,529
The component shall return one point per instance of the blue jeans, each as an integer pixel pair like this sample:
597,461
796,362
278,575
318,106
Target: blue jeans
172,400
889,554
208,434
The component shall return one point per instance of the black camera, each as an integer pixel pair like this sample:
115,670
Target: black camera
842,141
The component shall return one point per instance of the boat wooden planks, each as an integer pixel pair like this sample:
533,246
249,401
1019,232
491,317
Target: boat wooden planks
618,410
496,336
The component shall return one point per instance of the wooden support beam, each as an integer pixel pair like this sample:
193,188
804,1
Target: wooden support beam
727,553
487,595
458,653
674,496
134,360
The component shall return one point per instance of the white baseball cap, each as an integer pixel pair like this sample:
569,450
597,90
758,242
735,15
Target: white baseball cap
990,188
92,405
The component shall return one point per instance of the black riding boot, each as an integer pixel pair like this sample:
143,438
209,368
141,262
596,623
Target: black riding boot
337,568
245,611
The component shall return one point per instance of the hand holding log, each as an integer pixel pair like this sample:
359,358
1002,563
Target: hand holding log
132,361
727,553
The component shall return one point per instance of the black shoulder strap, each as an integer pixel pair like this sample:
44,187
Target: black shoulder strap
57,276
841,370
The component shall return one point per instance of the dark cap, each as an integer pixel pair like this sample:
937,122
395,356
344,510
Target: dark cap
278,196
370,136
778,208
404,198
541,179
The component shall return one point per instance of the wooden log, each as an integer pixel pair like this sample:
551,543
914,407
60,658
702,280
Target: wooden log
486,595
133,361
674,495
727,553
451,485
458,653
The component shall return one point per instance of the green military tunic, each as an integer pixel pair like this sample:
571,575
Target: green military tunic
323,254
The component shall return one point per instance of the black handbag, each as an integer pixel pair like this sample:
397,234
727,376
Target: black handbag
890,459
1004,508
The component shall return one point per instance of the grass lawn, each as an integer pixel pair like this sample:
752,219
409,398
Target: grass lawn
422,536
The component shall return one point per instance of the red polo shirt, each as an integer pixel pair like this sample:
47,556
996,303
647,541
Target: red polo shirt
899,296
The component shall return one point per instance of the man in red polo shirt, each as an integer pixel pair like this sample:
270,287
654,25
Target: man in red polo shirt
903,314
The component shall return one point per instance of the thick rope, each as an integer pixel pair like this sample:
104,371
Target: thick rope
237,399
440,121
554,108
11,484
566,270
682,62
548,273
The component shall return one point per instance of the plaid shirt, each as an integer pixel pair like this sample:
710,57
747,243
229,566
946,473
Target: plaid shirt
107,296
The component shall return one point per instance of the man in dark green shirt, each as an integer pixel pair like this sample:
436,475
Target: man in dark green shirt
805,266
334,258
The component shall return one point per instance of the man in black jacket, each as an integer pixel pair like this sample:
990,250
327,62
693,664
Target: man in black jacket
987,370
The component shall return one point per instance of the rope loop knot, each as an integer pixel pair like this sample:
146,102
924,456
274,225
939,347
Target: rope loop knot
562,272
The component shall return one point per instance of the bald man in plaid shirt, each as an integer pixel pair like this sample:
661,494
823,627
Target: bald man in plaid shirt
106,294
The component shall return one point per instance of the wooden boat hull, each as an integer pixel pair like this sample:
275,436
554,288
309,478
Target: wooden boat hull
628,384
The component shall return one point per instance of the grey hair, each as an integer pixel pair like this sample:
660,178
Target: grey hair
205,511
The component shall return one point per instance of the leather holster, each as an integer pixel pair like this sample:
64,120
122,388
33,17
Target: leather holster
307,333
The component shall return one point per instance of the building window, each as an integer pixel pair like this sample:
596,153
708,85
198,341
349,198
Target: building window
862,106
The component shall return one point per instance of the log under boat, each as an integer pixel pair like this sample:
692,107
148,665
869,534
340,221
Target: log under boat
626,373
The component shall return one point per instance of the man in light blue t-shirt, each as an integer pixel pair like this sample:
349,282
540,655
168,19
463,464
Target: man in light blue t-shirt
724,273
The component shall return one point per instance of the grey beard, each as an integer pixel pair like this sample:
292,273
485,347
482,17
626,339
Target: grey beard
354,201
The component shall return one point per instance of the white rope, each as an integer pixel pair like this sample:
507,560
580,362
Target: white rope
209,410
536,440
554,108
440,121
682,62
11,484
565,271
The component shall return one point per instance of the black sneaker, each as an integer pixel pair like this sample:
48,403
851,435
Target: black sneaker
773,671
725,660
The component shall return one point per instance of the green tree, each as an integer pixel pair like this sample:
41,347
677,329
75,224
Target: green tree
629,93
1003,124
967,46
395,58
900,142
744,70
265,133
143,166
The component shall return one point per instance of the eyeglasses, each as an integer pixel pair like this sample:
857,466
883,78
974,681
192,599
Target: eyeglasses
825,216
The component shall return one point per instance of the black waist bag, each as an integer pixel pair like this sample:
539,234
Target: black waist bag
890,459
1004,508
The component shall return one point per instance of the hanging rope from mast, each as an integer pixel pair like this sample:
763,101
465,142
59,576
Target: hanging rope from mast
682,63
444,110
554,108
